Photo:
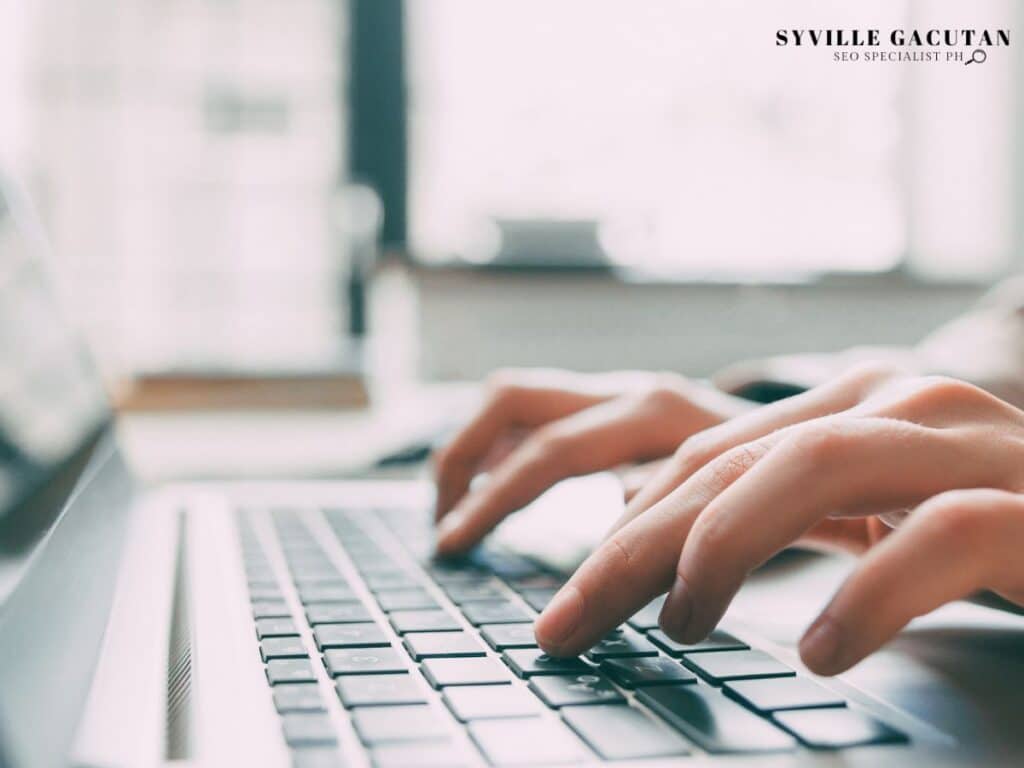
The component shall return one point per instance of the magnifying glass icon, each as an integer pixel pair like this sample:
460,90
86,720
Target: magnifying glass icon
978,56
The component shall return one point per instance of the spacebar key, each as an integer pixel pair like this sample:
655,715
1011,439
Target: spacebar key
712,721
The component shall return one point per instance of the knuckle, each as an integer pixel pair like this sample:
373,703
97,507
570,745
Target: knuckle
708,538
960,514
694,452
441,462
549,443
666,390
450,457
499,386
617,557
503,377
866,376
731,465
955,518
941,391
820,444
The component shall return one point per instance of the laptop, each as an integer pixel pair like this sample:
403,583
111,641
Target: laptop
306,624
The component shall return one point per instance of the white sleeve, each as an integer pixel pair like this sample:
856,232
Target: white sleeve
985,346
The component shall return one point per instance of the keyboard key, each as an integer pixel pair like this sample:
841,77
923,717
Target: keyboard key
713,722
527,662
316,757
405,600
423,621
260,575
484,702
363,549
275,628
536,581
526,741
718,640
289,671
316,581
473,671
503,636
261,584
623,733
641,672
502,612
265,593
363,661
364,635
376,564
337,613
389,580
429,754
298,697
424,645
736,665
622,643
558,691
538,599
375,690
504,564
647,617
782,693
837,728
315,572
461,572
484,591
270,609
327,592
416,722
307,728
282,648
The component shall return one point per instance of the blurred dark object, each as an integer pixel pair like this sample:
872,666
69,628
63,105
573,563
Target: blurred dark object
549,243
359,219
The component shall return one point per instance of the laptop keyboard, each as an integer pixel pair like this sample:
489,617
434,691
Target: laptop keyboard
435,663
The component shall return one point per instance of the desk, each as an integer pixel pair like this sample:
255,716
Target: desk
288,444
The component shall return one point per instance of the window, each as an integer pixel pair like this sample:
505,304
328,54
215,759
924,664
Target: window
185,155
687,142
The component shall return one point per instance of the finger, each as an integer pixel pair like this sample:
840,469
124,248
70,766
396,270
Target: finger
637,563
953,545
821,468
839,395
598,438
634,478
515,401
850,535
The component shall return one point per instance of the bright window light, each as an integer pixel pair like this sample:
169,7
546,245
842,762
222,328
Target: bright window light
684,134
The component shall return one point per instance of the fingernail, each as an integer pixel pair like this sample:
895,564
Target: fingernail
675,614
820,646
559,620
447,530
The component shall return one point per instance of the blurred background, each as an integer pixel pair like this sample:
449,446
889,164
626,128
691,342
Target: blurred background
466,184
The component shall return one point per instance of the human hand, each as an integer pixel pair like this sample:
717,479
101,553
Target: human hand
873,444
537,427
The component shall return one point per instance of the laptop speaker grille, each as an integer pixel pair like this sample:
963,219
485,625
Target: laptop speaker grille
179,660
